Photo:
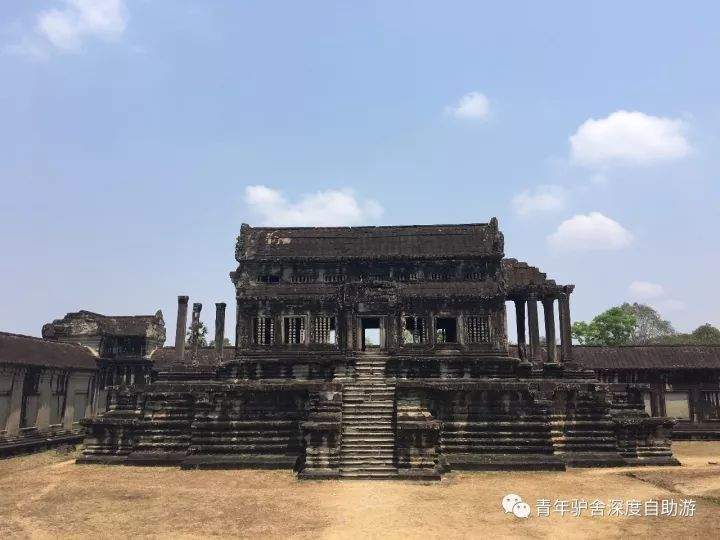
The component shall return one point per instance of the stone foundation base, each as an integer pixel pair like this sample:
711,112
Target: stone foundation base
652,462
319,474
501,462
151,459
593,459
101,460
419,474
36,442
221,461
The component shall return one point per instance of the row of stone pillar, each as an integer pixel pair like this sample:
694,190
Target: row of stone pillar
182,321
533,350
46,399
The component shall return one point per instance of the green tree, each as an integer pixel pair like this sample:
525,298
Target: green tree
196,334
649,325
226,343
705,334
612,327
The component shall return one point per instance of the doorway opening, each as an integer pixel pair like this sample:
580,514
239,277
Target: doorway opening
370,333
445,330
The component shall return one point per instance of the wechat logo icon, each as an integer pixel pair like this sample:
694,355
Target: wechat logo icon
514,504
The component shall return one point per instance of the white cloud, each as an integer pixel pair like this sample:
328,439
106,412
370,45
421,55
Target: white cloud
473,105
543,198
629,138
590,232
76,20
327,208
644,290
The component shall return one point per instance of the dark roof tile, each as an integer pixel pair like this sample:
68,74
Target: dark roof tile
648,357
28,350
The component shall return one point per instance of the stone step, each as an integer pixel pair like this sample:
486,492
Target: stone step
384,413
370,418
368,403
364,420
374,396
368,410
367,396
385,424
364,450
381,458
369,389
367,433
380,428
350,440
349,465
382,448
479,439
369,469
368,476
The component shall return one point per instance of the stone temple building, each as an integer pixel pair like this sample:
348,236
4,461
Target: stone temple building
679,381
379,352
47,386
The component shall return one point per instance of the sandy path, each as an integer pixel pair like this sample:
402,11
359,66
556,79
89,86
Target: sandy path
47,496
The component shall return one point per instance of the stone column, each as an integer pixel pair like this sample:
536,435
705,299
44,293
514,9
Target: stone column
197,307
220,329
72,386
13,421
44,399
565,333
520,325
549,311
533,328
180,328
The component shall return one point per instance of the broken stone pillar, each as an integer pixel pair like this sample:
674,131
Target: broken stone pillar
565,326
534,329
197,307
180,329
549,312
520,324
219,329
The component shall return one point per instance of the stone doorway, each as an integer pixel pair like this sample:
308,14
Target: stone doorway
371,333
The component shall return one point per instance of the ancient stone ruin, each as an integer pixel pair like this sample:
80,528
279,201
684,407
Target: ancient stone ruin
379,352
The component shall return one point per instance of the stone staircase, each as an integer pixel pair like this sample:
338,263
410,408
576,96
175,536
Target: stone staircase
368,440
164,430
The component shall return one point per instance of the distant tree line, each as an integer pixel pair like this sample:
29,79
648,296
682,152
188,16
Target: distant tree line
639,324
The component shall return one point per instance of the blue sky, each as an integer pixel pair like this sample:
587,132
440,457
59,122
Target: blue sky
137,136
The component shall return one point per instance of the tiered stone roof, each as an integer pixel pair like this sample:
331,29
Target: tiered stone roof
396,242
86,323
521,278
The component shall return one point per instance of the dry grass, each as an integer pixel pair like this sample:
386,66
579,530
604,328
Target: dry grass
48,496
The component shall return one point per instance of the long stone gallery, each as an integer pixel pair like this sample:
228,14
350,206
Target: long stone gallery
378,352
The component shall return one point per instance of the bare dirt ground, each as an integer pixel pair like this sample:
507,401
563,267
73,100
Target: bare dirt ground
47,496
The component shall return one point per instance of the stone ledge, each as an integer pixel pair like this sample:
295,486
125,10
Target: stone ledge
502,462
101,460
230,461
